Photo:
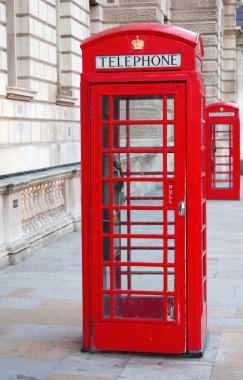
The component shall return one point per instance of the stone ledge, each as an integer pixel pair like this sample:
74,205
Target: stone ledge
65,100
19,93
236,30
9,185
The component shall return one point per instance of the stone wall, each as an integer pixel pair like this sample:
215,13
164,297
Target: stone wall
40,81
40,66
229,67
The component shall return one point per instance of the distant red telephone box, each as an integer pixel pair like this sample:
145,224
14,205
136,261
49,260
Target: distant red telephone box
223,151
143,191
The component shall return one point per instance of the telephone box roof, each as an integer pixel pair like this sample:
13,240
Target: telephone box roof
169,31
222,104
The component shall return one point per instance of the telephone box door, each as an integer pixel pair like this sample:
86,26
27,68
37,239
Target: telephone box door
138,195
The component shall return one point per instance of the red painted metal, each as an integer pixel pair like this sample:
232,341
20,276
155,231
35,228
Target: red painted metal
223,151
132,228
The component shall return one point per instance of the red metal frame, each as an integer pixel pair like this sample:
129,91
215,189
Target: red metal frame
223,151
186,334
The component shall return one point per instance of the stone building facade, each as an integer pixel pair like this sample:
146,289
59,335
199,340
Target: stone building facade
40,65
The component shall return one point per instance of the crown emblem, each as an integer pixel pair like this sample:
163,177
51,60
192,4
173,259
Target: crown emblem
137,44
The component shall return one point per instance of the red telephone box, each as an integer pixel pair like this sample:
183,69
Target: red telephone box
143,191
223,151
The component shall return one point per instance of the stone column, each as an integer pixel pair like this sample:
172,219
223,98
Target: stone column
239,87
204,17
229,51
72,25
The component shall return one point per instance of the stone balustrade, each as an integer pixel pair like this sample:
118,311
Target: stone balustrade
37,208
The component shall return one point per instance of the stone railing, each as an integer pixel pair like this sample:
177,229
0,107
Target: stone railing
37,208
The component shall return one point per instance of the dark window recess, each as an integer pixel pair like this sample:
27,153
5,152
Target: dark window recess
239,16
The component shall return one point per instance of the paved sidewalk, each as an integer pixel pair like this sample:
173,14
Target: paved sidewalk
40,315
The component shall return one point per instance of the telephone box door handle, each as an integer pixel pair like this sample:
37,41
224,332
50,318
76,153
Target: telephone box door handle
182,209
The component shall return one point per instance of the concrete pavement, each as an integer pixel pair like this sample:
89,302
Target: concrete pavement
40,315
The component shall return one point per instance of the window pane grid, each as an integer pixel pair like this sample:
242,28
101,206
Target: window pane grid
133,176
221,156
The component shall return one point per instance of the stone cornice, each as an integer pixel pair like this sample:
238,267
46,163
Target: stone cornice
239,41
234,30
229,2
19,182
65,100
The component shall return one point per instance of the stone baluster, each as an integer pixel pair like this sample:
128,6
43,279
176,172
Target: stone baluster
28,209
57,197
51,199
32,207
60,192
44,206
24,210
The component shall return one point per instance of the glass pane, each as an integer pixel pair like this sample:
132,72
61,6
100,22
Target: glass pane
120,136
170,135
222,152
139,306
106,305
223,185
170,229
106,278
222,176
170,107
105,107
139,278
171,243
222,160
171,256
138,136
171,308
222,168
171,279
221,135
106,221
144,242
106,249
142,216
219,143
171,216
105,165
170,165
142,164
139,193
144,255
106,193
105,136
149,107
139,222
222,127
